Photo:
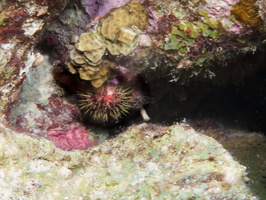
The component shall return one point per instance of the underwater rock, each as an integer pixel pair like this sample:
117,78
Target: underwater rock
147,161
22,25
248,148
182,38
191,39
244,146
40,106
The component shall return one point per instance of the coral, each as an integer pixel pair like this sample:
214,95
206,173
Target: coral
109,103
86,59
99,8
119,48
91,7
133,13
89,50
121,26
96,74
118,32
247,12
70,139
89,42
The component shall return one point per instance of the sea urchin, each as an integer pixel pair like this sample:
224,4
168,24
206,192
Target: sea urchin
108,103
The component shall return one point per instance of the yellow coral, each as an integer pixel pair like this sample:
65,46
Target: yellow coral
77,57
94,56
89,65
117,27
118,48
71,67
247,12
127,35
89,42
96,74
110,26
133,13
118,32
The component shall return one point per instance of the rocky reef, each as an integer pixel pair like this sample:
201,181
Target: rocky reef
171,41
79,73
147,161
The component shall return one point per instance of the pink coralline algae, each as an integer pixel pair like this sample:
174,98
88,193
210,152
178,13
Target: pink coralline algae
70,139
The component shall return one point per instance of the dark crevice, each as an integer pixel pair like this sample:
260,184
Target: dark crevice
239,104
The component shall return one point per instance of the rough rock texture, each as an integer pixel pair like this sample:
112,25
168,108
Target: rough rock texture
147,162
40,106
199,37
182,41
27,83
250,150
22,25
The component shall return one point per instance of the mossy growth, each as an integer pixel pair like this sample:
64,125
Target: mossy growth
5,74
2,14
187,32
2,22
3,2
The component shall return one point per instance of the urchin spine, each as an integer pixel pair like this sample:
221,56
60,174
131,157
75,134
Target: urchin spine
107,103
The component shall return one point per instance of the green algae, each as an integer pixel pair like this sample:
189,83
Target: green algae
201,61
241,40
191,30
2,23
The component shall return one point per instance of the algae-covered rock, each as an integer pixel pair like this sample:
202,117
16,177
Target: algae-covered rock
21,26
145,162
250,150
39,106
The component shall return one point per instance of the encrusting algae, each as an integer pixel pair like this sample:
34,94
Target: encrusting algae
145,162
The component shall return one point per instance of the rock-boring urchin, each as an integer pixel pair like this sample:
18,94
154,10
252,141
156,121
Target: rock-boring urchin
108,103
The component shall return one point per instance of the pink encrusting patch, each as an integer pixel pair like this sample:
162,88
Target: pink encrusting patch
69,139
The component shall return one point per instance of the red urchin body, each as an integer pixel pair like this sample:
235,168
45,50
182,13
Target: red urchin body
108,103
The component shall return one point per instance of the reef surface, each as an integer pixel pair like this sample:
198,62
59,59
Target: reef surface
146,161
174,59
